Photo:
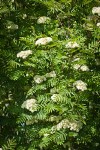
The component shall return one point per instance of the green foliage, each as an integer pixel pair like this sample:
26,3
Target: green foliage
10,145
64,115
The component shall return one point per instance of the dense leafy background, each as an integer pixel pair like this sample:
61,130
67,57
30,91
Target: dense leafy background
71,20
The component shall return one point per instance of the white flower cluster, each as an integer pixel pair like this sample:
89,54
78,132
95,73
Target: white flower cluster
98,24
39,79
82,68
13,26
72,125
80,85
24,54
43,41
76,66
43,19
72,45
52,74
54,97
30,104
96,10
0,148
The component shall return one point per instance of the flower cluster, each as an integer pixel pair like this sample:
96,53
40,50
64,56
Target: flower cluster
80,85
96,10
30,104
72,45
43,41
98,24
24,54
82,68
24,16
76,66
64,124
12,26
43,19
39,79
52,74
54,97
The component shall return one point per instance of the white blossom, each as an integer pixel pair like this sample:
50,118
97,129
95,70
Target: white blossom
66,123
96,10
72,125
0,148
30,104
54,97
12,26
80,85
43,19
24,16
46,134
52,74
76,66
24,54
98,24
84,68
43,41
39,79
59,126
72,45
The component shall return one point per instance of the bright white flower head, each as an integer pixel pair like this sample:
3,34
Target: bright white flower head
84,68
43,19
52,74
43,41
98,24
39,79
76,66
96,10
80,85
72,45
30,104
66,123
54,97
72,125
24,54
59,126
